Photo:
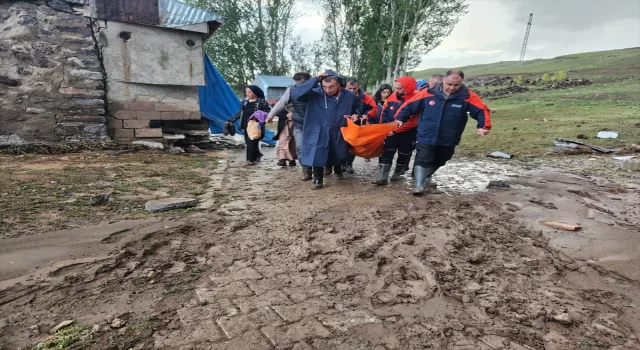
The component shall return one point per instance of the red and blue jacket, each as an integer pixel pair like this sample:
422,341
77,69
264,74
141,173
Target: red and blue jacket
394,104
369,105
442,119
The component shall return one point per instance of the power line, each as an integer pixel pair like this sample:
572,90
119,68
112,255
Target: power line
526,40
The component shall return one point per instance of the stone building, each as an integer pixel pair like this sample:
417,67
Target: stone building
100,69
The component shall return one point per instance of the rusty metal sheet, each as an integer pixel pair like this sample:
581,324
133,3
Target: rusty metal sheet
132,11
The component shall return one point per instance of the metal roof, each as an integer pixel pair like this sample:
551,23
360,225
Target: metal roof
174,13
268,81
163,13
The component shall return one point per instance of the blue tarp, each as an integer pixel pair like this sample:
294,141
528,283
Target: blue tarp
218,102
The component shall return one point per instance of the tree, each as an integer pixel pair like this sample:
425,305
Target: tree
253,39
379,40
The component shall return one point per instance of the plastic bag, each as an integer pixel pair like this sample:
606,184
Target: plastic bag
366,141
253,130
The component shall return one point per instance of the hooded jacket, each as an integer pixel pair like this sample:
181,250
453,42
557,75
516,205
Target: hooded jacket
442,119
322,142
394,104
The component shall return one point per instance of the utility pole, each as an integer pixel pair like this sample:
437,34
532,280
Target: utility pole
526,39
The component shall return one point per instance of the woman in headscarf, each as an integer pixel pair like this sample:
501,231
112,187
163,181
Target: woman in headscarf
253,102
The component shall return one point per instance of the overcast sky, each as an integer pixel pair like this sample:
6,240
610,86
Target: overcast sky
493,30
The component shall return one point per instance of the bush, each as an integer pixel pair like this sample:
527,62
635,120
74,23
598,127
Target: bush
545,77
560,76
518,80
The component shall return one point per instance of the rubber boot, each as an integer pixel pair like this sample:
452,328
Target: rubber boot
383,179
317,184
421,178
398,172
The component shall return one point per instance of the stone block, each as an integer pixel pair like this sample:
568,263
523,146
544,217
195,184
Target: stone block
169,203
174,115
247,273
287,336
68,129
251,340
195,116
148,132
82,119
114,123
304,346
232,290
139,106
32,110
125,115
342,322
86,74
236,325
121,133
147,115
165,107
149,144
271,298
81,92
192,315
88,101
145,98
135,124
97,129
296,312
631,164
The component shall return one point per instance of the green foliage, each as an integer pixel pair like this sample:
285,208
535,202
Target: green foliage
518,80
545,77
64,338
560,76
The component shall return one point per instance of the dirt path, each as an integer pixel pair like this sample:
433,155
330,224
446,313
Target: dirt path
275,265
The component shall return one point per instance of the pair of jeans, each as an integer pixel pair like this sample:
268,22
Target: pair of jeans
297,135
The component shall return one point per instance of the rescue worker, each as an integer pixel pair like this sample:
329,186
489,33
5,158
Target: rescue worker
299,109
443,116
327,107
435,80
401,140
369,110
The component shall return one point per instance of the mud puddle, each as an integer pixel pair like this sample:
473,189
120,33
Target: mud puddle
276,265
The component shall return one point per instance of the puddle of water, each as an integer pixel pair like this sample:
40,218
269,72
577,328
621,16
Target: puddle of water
459,176
469,176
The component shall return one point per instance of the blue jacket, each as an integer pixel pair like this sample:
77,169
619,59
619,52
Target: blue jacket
322,142
443,119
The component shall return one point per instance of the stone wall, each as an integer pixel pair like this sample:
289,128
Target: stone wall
52,86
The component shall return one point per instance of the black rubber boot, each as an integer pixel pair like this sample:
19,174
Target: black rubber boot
398,172
383,178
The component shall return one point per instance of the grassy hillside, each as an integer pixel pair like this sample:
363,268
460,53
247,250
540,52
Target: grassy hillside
582,63
525,123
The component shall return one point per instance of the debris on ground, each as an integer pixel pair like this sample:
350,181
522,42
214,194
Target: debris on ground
99,199
176,150
194,149
562,226
148,144
607,135
117,323
498,184
170,204
582,137
61,325
623,157
566,146
500,155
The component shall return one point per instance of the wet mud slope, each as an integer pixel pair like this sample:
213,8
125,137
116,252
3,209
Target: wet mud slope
276,265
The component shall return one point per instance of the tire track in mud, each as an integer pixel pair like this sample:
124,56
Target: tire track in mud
442,272
276,265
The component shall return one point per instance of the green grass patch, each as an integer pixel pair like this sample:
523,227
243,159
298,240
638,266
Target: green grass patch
66,338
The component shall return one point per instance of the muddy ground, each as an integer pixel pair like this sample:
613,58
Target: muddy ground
275,265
